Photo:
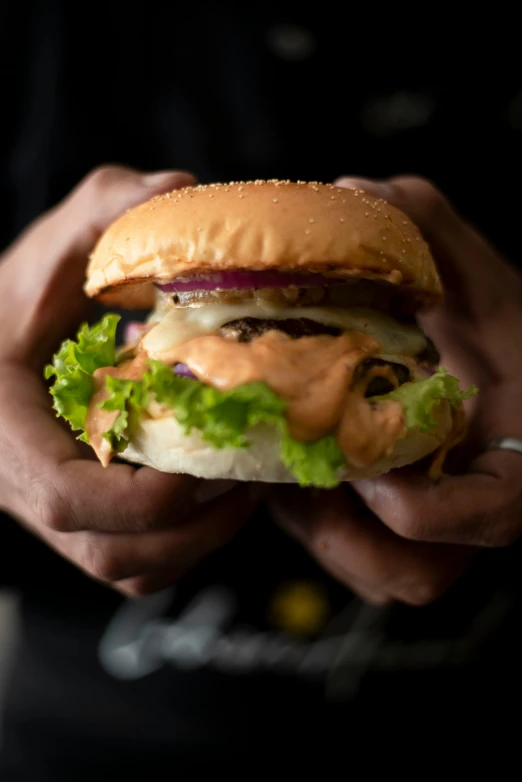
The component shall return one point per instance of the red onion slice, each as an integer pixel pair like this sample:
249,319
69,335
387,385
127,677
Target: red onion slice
183,371
134,331
242,280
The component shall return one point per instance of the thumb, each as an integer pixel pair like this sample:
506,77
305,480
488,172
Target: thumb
480,311
462,253
42,273
444,229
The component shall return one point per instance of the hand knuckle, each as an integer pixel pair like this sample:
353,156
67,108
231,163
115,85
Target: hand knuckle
429,199
420,590
140,587
102,177
53,517
409,523
100,561
50,510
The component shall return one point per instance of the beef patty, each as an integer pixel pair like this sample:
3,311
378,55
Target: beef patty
382,385
247,329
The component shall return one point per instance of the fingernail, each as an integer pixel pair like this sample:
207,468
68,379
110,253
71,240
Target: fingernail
209,490
377,189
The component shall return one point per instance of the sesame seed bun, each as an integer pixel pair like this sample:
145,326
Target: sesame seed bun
286,226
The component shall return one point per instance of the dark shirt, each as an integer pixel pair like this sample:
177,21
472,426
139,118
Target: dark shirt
223,664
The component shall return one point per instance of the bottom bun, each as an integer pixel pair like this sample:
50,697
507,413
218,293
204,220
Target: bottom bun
160,443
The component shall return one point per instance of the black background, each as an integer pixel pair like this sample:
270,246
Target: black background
202,86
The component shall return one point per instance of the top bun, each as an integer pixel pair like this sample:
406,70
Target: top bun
275,225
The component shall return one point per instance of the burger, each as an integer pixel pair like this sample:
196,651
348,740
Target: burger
279,342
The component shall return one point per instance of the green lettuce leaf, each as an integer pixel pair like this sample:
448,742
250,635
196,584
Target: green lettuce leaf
124,395
73,366
417,399
313,464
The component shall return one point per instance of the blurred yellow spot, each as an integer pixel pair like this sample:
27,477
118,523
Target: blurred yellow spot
299,607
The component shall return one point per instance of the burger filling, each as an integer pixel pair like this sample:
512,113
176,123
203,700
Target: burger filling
341,371
247,329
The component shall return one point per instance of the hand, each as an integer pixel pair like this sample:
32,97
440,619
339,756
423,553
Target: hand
137,529
412,537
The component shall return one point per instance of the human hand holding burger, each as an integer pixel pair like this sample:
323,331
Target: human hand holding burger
135,529
283,343
404,537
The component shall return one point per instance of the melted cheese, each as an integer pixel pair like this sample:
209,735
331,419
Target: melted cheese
181,324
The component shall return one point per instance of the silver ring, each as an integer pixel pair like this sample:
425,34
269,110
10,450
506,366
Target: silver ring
505,444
